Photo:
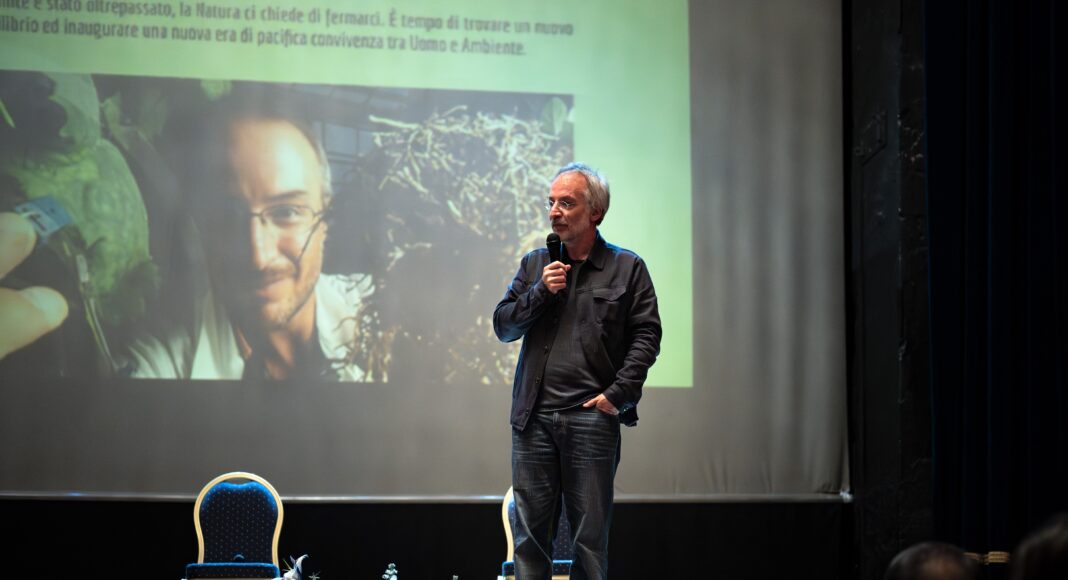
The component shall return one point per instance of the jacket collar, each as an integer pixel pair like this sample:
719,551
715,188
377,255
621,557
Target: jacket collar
598,253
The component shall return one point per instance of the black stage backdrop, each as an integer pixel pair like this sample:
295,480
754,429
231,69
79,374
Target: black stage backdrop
999,268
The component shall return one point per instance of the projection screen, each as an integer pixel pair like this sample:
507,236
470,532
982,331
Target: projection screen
438,127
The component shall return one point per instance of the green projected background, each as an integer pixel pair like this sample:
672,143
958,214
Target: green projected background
636,132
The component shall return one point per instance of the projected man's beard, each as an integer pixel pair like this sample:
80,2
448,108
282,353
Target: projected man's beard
269,298
275,314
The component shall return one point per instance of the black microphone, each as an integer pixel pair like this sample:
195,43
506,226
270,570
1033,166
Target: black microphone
553,243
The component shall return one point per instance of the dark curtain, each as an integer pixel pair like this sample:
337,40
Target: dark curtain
998,227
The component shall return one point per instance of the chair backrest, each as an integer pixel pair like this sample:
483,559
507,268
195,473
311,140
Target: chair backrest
238,522
561,543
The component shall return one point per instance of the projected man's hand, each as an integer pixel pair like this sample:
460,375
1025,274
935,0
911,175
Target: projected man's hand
554,276
27,314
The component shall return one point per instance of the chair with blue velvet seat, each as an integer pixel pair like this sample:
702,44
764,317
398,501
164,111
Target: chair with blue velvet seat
238,519
562,555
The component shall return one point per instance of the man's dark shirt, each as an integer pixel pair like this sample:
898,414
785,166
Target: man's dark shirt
617,325
568,381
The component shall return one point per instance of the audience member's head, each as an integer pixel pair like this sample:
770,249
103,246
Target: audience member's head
932,561
1044,553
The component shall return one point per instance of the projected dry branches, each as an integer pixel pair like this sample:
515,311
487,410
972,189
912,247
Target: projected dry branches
465,193
488,172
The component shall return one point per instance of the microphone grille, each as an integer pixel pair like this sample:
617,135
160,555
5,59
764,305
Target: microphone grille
552,242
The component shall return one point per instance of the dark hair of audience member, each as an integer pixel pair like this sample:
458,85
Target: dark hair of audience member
932,561
1044,553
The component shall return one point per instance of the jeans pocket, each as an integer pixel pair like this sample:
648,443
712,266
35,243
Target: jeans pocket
594,435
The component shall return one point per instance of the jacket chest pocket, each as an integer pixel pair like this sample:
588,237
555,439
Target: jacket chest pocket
604,311
607,304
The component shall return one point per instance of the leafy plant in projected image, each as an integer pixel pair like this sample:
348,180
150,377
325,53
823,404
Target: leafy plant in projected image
53,144
466,190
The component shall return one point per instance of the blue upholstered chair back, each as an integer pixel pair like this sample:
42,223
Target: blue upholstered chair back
562,555
237,527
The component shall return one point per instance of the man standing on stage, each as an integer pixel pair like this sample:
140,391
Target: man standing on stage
590,331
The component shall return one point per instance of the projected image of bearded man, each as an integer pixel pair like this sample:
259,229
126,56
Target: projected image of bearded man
277,187
262,210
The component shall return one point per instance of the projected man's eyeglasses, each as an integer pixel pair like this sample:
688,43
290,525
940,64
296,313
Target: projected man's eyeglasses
287,219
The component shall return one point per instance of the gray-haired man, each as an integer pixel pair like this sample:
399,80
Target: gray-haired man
590,330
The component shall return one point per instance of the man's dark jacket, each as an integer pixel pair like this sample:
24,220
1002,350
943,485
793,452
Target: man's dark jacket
618,323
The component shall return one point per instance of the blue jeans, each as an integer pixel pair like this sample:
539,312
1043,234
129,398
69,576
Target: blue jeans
574,454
